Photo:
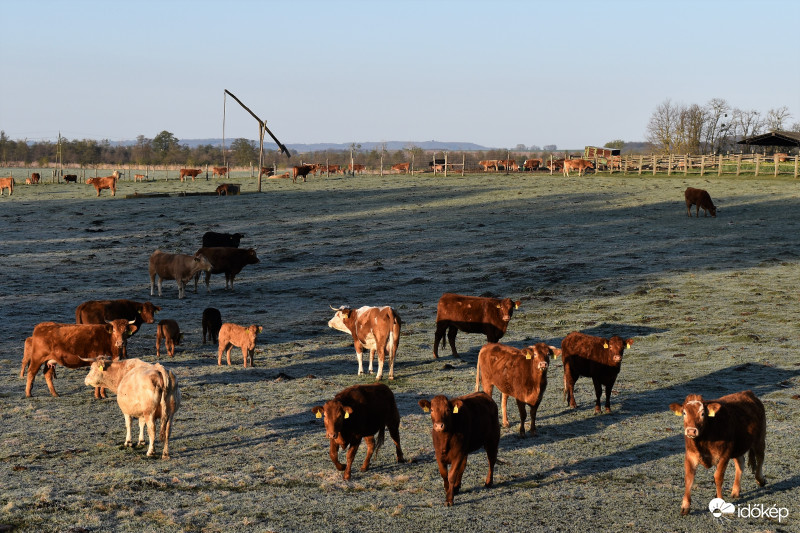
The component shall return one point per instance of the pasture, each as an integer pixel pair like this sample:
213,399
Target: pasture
711,303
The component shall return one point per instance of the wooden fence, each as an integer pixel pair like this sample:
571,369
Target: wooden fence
703,165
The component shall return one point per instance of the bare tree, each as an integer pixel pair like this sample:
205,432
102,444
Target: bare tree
717,122
662,127
777,117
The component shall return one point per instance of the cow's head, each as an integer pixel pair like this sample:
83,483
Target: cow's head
335,414
694,412
201,262
97,373
254,329
148,312
506,308
250,257
615,347
442,410
540,355
713,210
343,319
120,329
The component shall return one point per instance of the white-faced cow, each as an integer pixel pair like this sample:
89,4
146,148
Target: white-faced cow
374,328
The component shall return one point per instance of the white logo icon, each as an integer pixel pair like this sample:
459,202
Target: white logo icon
719,507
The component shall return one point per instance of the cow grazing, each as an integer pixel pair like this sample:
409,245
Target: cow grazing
301,171
7,183
521,374
219,171
581,165
180,267
461,426
716,431
471,314
189,172
107,182
70,178
402,167
145,391
531,164
213,239
701,199
376,328
227,189
594,357
356,168
231,335
359,412
35,178
65,344
168,330
102,311
211,322
226,260
265,171
487,164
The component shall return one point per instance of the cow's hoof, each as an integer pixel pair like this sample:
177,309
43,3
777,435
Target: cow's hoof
128,444
140,443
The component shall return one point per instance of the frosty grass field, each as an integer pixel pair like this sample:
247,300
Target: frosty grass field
712,304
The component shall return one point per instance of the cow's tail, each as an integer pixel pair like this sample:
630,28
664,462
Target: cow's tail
379,440
478,373
25,360
168,399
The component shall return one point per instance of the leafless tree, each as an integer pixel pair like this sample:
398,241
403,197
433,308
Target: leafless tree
776,118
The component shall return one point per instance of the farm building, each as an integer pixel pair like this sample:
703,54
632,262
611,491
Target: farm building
785,139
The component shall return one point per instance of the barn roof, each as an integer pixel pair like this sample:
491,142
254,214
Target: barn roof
773,138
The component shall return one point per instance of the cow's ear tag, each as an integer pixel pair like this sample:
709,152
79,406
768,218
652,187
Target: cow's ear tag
101,367
527,355
628,345
319,415
455,410
711,412
516,306
346,414
605,346
677,413
426,409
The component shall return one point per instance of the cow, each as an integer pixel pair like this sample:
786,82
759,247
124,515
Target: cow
488,163
779,157
229,261
531,164
146,391
219,171
101,311
266,171
376,328
7,183
716,431
581,165
70,178
190,172
138,177
701,199
211,323
359,412
107,182
180,267
471,314
64,344
231,335
353,168
595,357
331,169
521,374
168,330
35,177
461,426
301,171
402,167
227,189
555,165
213,239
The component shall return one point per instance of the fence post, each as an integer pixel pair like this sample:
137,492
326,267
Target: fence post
796,158
641,164
464,163
776,161
758,163
445,164
669,168
738,163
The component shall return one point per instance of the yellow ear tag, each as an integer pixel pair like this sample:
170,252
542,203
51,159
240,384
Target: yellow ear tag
516,306
346,414
628,345
101,367
527,355
711,413
455,410
605,346
319,415
426,409
677,414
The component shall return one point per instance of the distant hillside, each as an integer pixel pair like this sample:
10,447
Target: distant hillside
321,147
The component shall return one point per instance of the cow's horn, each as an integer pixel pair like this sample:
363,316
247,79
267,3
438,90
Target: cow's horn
132,321
91,360
332,307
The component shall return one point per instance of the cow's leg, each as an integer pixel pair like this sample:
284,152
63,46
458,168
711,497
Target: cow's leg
360,358
371,359
738,462
49,374
151,432
598,392
569,386
381,359
522,416
142,424
441,327
245,352
222,348
689,470
491,455
394,432
534,409
208,281
152,283
504,408
756,457
167,430
454,477
181,289
719,477
452,331
351,454
443,472
609,386
334,455
393,343
689,209
370,439
228,353
128,430
158,343
169,344
160,280
32,370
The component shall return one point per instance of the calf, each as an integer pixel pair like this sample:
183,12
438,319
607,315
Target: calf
180,267
7,183
35,177
168,330
70,178
581,165
716,431
227,189
521,374
701,199
301,171
231,335
376,328
107,182
359,412
594,357
226,260
148,392
471,314
219,171
211,321
461,426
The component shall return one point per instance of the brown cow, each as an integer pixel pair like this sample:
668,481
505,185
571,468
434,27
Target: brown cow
461,426
211,322
231,335
35,177
581,165
107,182
148,392
7,183
531,164
376,328
486,164
168,330
138,177
227,189
266,171
594,357
219,171
471,314
301,171
356,168
716,431
180,267
402,167
226,260
101,311
521,374
190,172
359,412
701,199
65,344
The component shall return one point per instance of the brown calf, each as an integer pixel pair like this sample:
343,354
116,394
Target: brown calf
716,431
701,199
219,171
168,330
471,314
521,374
359,412
107,182
228,189
231,335
461,426
402,167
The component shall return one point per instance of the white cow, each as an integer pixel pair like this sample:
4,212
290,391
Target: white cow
376,328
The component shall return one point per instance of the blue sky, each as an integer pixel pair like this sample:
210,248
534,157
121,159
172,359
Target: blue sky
497,73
